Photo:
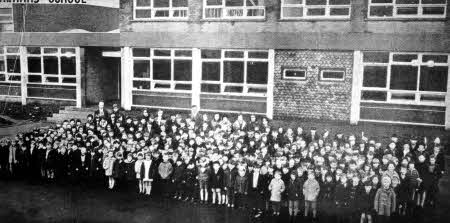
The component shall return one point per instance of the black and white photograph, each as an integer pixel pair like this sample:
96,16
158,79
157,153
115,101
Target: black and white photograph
224,111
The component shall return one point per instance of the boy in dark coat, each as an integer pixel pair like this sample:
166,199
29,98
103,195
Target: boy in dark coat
178,173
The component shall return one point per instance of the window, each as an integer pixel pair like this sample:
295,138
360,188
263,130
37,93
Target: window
6,18
315,9
160,9
51,65
294,73
407,9
162,69
10,69
411,78
234,9
234,71
332,75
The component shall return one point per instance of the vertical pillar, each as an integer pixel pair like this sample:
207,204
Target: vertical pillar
126,79
196,77
270,84
447,101
356,87
23,74
79,89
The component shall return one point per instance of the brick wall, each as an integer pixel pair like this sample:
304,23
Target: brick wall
312,98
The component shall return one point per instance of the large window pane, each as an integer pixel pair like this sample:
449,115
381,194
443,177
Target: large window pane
179,3
375,76
137,52
211,54
211,71
68,66
35,78
403,77
141,69
161,69
34,64
257,72
374,95
183,70
161,3
50,65
2,65
433,78
380,11
233,71
13,64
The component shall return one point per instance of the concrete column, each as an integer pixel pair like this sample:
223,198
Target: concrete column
447,101
196,77
270,84
356,87
78,74
23,74
126,78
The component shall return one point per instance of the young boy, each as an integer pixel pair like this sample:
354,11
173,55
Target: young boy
385,201
276,187
241,187
216,179
202,178
293,192
311,191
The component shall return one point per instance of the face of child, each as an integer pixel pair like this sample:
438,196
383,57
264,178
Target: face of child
277,176
386,182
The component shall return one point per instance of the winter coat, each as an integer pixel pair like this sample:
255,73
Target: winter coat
276,187
241,184
129,170
294,189
229,177
179,172
108,164
327,191
365,200
216,179
311,189
385,201
119,169
341,195
165,170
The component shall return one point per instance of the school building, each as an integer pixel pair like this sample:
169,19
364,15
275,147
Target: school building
355,61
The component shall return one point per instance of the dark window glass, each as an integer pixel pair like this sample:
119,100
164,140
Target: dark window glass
374,76
2,65
69,80
141,84
211,71
233,89
12,49
404,57
316,11
14,78
435,58
183,87
407,1
162,13
433,1
293,12
161,53
2,77
161,3
34,64
376,57
183,70
291,2
380,11
374,95
257,90
161,69
68,66
13,64
233,71
35,78
50,50
403,77
67,51
50,65
381,1
234,54
316,2
258,54
161,85
183,53
137,52
339,2
403,96
179,3
433,10
143,2
329,74
294,73
234,2
141,69
213,88
407,11
143,13
52,79
257,72
213,2
433,78
339,11
211,54
33,50
434,98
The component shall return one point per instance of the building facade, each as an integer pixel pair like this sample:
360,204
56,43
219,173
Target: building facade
342,60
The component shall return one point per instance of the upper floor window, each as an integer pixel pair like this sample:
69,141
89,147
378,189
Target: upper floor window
234,9
10,69
315,9
379,9
160,9
6,19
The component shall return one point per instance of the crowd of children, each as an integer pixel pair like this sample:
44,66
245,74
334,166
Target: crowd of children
237,164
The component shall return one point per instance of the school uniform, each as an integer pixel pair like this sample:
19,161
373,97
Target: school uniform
216,179
240,190
177,179
228,183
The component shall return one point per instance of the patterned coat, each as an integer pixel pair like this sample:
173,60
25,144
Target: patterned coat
276,187
385,200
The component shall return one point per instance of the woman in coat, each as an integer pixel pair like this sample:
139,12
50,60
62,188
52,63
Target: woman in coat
108,164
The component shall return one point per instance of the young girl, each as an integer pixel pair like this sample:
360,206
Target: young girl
385,200
108,164
147,173
229,178
216,179
276,187
137,169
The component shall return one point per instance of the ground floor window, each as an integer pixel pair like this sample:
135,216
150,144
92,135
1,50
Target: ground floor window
410,78
51,65
162,69
10,69
234,71
6,18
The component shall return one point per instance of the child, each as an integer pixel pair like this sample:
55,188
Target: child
178,173
108,164
147,173
293,191
365,202
216,179
240,187
188,180
229,179
202,178
165,170
311,191
276,187
137,169
130,175
341,199
385,200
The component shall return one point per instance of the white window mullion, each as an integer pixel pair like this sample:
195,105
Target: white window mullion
245,87
222,64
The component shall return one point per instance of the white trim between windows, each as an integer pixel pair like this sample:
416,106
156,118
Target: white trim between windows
395,6
174,13
223,12
305,8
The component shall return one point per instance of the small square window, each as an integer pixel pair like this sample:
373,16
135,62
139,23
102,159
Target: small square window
294,73
332,75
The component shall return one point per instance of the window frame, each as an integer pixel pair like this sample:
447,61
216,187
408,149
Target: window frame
171,10
172,59
322,70
395,6
222,8
294,69
245,86
8,74
418,94
305,8
11,21
57,54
